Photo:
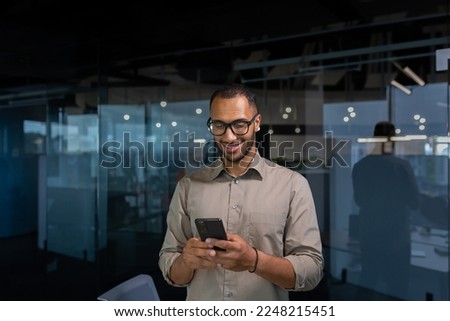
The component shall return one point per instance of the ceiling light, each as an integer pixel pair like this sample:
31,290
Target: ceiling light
411,74
408,138
443,139
401,87
372,140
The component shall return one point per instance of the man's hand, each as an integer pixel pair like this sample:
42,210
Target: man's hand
238,254
197,255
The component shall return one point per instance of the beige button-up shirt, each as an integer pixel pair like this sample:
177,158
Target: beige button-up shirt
269,206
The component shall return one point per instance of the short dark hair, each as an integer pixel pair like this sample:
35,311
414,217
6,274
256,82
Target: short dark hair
384,128
232,91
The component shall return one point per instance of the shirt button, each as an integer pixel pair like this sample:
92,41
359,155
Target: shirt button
235,206
228,294
236,181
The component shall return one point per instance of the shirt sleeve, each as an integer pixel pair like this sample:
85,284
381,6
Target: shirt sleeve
178,230
303,246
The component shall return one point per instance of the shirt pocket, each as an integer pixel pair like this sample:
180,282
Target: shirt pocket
266,231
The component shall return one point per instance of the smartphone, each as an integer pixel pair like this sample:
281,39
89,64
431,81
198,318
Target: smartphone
211,228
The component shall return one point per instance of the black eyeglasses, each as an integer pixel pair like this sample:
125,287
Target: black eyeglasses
238,127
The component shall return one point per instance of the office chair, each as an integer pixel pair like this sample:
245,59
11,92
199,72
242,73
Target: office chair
138,288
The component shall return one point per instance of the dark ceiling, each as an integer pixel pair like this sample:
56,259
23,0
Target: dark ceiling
66,41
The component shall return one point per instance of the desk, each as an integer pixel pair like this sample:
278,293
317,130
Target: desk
425,247
429,249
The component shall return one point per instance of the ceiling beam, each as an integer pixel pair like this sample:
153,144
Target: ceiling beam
344,53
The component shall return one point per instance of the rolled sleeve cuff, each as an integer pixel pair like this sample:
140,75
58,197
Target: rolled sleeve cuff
165,263
308,273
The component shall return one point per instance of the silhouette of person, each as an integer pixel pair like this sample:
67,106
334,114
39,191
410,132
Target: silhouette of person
385,189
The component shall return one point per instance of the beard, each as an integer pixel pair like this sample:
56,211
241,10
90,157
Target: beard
235,152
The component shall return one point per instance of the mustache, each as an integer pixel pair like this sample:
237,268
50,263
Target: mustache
249,146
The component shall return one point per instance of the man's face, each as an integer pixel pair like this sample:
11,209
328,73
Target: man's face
234,147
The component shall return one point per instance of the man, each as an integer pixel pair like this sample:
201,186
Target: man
273,241
386,190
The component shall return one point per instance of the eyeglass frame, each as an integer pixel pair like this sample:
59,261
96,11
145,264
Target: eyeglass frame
230,125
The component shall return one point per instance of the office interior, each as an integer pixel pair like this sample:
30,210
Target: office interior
103,109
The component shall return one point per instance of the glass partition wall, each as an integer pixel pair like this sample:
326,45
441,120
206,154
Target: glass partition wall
144,150
389,203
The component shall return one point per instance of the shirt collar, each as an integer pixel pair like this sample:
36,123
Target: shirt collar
256,166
